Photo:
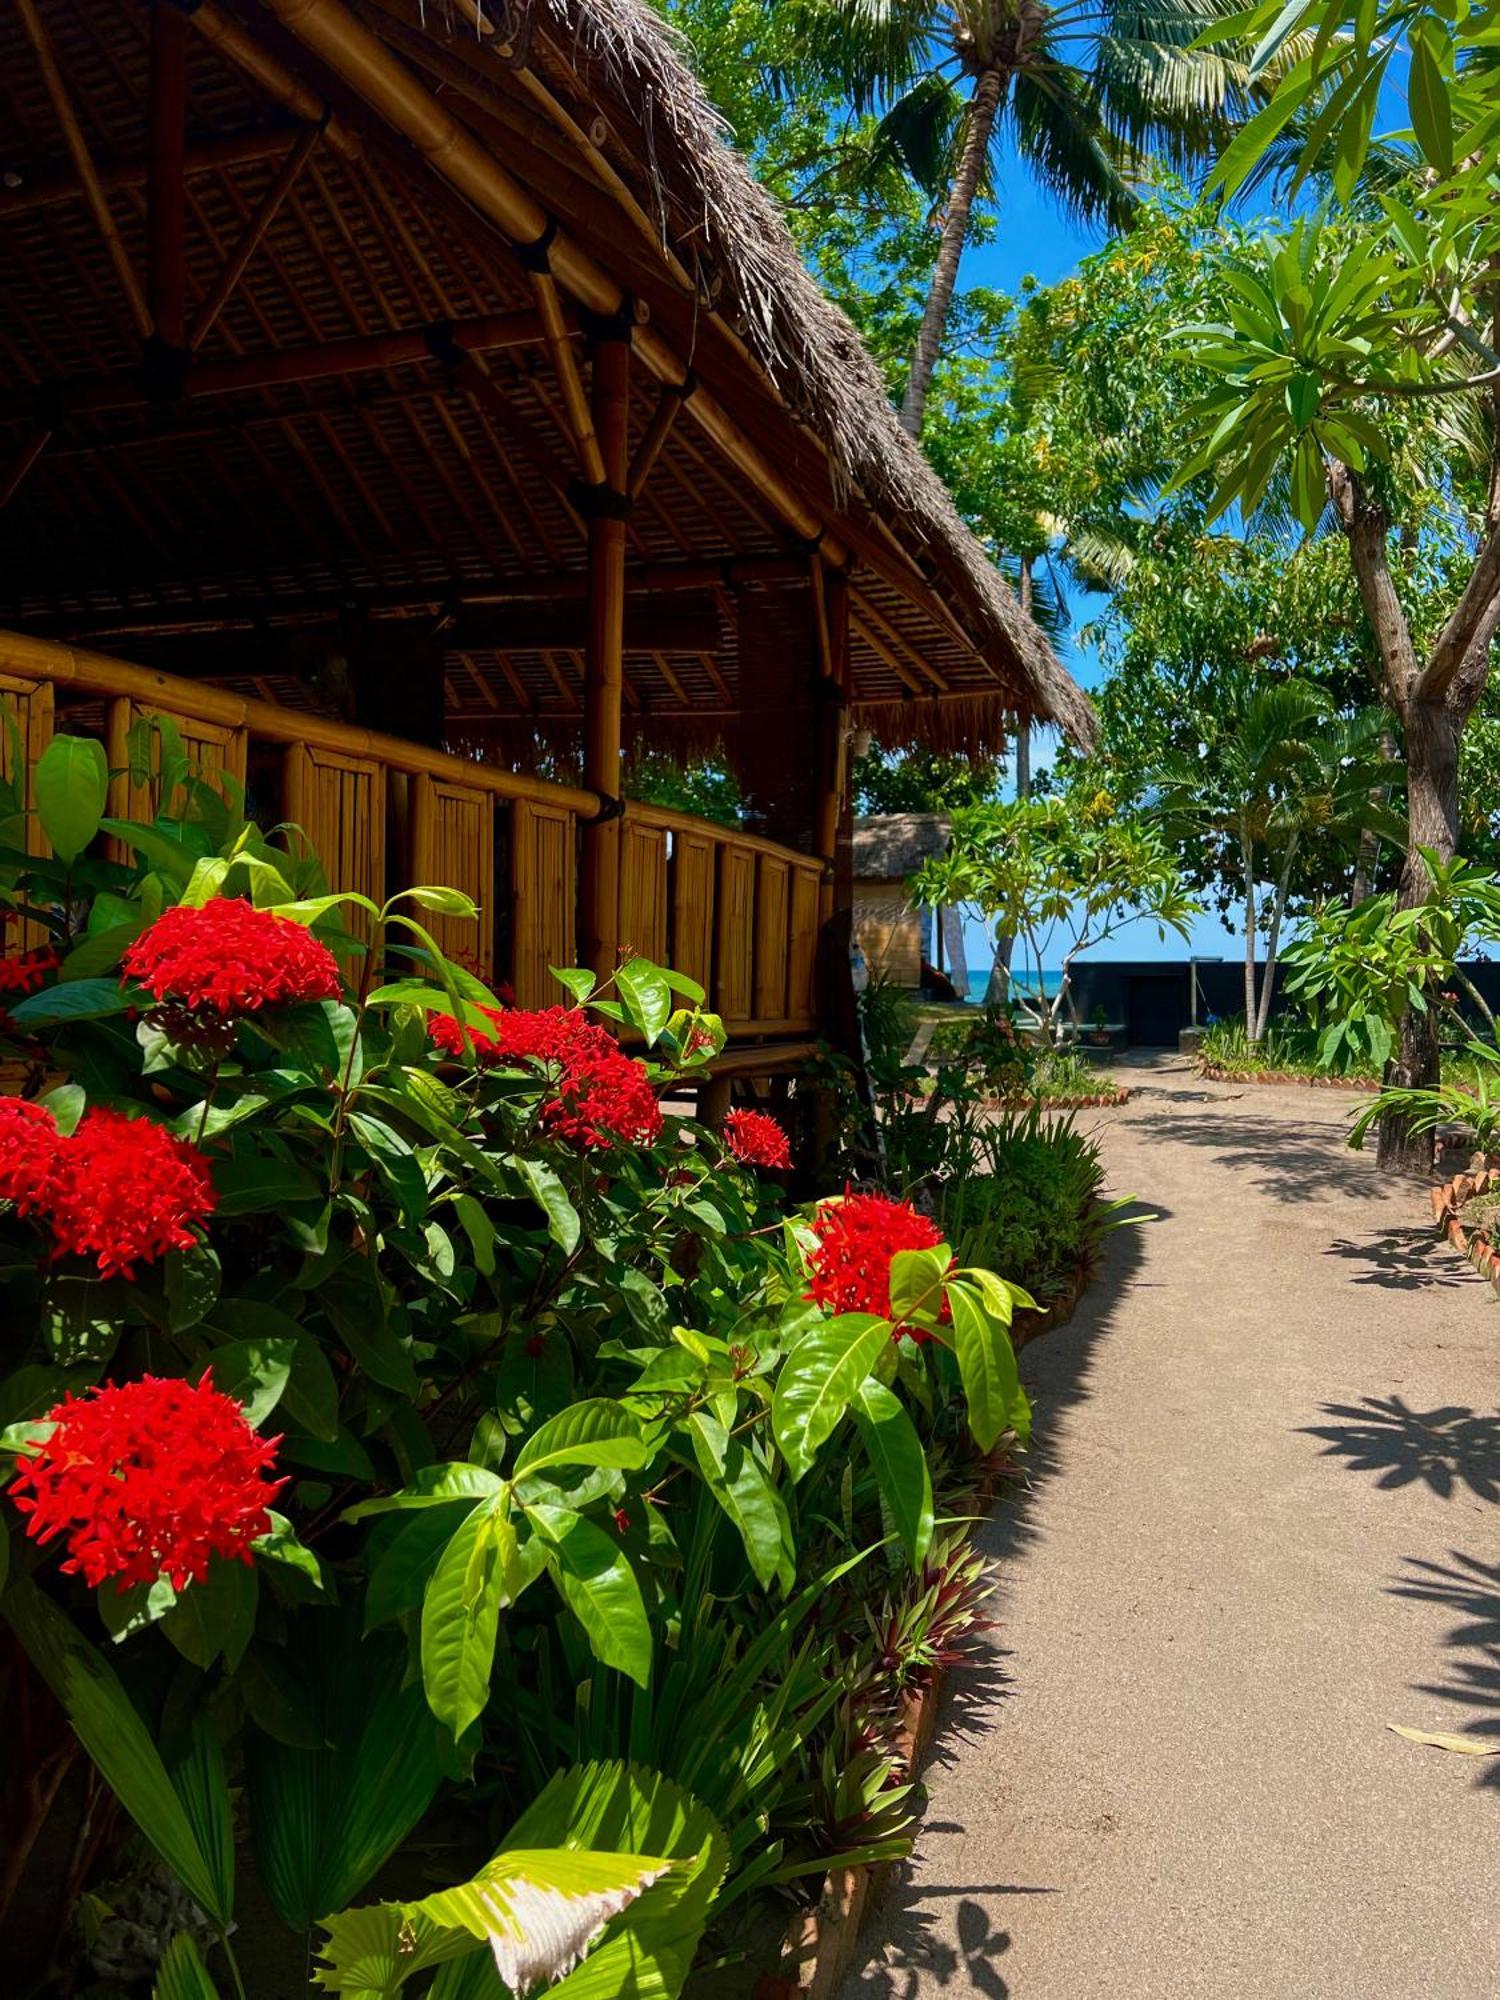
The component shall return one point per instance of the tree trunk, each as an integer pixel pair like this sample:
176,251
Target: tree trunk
1432,821
1369,840
1247,862
979,125
1273,941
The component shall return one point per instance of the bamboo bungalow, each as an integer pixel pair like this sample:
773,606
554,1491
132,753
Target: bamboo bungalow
419,402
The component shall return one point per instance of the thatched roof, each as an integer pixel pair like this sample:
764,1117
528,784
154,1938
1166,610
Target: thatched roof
327,474
704,192
890,846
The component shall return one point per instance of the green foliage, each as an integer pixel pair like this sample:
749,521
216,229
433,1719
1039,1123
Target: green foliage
571,1459
1032,1208
912,781
1060,876
707,787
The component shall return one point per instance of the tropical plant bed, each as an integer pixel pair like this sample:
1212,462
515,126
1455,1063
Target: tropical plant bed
1467,1210
1215,1073
1093,1100
821,1944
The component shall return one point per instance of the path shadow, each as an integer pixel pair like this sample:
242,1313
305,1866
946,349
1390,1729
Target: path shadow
928,1934
1291,1160
1403,1260
1450,1450
1471,1588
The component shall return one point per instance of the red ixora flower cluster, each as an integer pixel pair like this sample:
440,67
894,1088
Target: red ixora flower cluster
120,1190
147,1479
228,958
850,1271
757,1140
28,971
604,1097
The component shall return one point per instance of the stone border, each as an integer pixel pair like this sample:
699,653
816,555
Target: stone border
821,1944
1448,1199
1093,1100
1213,1074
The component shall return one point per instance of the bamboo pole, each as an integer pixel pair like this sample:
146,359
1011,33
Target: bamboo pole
565,367
360,354
83,164
20,465
668,409
356,55
273,76
166,175
829,607
237,262
604,662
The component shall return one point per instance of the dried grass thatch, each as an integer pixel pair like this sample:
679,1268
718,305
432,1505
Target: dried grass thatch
719,219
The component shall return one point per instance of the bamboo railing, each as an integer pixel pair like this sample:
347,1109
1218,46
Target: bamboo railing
737,913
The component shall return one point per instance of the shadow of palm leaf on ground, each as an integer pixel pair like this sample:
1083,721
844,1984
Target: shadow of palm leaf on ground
1449,1450
1470,1588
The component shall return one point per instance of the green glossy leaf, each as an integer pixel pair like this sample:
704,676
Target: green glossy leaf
563,1225
70,784
647,996
434,1486
461,1614
987,1367
594,1432
78,1000
599,1587
817,1383
899,1464
215,1616
740,1485
182,1974
255,1373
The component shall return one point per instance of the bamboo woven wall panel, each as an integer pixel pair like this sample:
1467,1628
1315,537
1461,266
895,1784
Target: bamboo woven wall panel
339,803
27,707
213,750
734,990
772,900
543,882
802,945
643,892
693,906
453,847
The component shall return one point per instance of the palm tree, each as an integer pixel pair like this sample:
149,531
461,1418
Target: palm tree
1086,88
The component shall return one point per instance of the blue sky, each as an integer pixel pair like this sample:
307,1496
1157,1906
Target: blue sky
1034,240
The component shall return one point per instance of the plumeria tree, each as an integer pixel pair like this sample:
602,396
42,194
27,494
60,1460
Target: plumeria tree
1060,877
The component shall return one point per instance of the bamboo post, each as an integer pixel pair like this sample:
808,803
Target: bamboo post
604,658
166,176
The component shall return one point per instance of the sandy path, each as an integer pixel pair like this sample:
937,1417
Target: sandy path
1176,1780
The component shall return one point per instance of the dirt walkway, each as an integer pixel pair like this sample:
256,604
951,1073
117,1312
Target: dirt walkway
1262,1525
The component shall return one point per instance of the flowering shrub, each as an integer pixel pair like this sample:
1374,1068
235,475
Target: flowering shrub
405,1391
147,1480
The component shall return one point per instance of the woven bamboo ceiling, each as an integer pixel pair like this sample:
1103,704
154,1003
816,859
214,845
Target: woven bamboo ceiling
270,379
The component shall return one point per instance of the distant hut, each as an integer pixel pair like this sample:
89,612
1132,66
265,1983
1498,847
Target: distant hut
896,936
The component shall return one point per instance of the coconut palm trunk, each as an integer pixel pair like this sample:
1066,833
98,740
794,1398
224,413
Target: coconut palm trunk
979,125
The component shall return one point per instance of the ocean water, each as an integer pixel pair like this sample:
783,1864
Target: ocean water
980,979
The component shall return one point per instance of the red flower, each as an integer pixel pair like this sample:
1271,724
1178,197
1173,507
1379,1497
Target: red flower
444,1033
229,958
756,1139
126,1192
29,971
850,1270
29,1147
603,1095
148,1479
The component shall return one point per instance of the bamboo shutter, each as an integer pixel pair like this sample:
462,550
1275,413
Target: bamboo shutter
339,802
693,906
27,709
802,956
733,989
771,900
543,882
643,892
453,847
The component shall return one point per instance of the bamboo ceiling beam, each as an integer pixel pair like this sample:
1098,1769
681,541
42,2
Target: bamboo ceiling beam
580,420
899,643
360,354
83,165
14,475
658,430
273,76
237,262
514,428
166,175
56,187
910,681
356,55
